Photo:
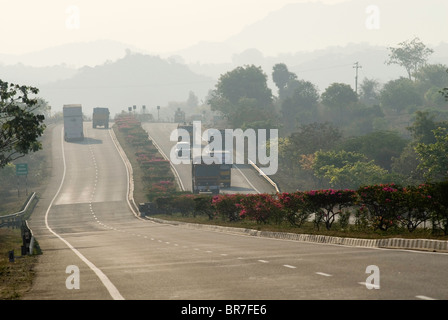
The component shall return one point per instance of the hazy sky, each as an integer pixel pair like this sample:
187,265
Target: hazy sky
155,26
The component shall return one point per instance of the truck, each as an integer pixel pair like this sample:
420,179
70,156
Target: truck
225,168
205,177
73,122
179,115
226,161
100,117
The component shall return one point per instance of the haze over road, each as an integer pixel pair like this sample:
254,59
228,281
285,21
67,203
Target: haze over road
84,220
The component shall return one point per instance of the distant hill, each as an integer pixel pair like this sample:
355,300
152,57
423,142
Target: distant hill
135,79
313,26
72,55
35,76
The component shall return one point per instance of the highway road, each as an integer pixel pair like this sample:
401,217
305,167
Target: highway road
90,237
244,178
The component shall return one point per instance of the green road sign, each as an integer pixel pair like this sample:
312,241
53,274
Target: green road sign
22,169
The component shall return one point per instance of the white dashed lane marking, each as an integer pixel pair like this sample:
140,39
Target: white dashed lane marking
323,274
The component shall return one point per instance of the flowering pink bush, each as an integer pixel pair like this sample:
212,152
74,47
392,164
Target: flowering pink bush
382,204
295,207
327,204
261,208
227,206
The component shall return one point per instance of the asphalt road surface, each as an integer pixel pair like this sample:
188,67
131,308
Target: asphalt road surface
244,178
95,247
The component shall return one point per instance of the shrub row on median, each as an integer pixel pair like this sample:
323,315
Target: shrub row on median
376,207
157,176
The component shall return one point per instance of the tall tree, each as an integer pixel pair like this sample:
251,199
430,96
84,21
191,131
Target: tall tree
301,107
369,91
282,77
339,96
235,88
422,128
411,54
20,126
399,94
434,156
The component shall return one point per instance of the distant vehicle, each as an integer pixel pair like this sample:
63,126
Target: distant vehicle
100,117
73,122
225,168
183,150
179,115
205,177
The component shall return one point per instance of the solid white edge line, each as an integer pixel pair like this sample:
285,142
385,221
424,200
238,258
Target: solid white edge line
113,291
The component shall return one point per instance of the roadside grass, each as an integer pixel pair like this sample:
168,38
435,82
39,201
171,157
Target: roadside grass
15,277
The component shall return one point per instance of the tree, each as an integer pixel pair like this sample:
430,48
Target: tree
192,101
282,77
20,127
444,91
399,94
422,128
369,91
406,165
411,55
432,75
242,84
380,146
314,137
302,106
344,169
434,156
339,96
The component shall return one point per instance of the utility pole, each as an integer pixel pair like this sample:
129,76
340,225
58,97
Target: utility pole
356,66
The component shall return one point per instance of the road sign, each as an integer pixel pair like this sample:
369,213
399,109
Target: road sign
22,169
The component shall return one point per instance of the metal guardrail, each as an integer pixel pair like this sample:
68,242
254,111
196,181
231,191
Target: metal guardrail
264,175
16,219
13,217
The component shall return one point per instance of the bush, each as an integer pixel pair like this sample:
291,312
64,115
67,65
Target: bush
295,208
262,208
227,206
327,204
382,203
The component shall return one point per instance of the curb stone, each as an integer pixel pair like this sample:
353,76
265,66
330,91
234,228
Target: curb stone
391,243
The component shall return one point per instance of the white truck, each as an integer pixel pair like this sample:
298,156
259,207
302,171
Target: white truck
73,122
